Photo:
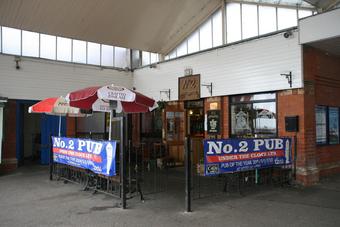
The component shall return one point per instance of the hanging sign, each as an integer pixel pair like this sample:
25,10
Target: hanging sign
189,88
235,155
213,121
97,156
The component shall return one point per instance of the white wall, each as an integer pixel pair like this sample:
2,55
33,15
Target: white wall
247,67
319,27
38,79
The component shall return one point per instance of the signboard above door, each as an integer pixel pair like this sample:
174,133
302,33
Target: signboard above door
189,88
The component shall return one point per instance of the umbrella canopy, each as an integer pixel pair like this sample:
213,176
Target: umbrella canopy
130,101
83,98
55,106
97,99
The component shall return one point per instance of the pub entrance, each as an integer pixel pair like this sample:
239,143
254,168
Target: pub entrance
195,128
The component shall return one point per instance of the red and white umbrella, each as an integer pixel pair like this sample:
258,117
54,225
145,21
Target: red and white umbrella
56,106
107,98
128,100
97,99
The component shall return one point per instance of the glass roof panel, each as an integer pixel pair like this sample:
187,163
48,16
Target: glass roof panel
300,3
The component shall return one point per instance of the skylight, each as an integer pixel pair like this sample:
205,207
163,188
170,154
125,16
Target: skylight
299,3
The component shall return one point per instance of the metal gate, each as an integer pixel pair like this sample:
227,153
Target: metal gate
147,168
146,172
199,186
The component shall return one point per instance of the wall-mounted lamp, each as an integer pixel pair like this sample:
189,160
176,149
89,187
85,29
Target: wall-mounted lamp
209,87
288,77
167,92
17,60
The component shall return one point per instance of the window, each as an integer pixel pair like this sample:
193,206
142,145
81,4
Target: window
305,13
154,58
321,124
182,49
11,41
233,22
193,42
173,54
107,55
93,53
327,125
205,36
174,120
145,58
217,28
79,51
249,21
286,18
64,50
30,44
253,115
47,46
333,125
267,19
121,56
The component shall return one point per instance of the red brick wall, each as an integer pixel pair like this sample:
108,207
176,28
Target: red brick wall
298,102
323,71
9,160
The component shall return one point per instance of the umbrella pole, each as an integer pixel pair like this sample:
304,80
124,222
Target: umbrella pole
110,127
122,162
59,133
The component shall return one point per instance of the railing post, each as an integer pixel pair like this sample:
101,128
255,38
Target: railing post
187,148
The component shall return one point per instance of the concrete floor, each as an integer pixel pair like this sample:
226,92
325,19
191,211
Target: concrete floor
28,198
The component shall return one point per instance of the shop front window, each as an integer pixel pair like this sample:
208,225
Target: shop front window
173,123
253,115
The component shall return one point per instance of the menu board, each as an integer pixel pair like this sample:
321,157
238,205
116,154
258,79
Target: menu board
333,129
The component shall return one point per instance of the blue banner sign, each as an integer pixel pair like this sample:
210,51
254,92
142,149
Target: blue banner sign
97,156
235,155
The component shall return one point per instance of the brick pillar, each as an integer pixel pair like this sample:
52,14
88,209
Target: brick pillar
300,102
9,161
225,117
321,78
